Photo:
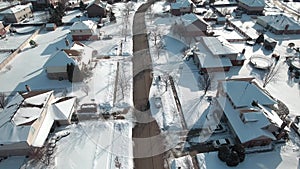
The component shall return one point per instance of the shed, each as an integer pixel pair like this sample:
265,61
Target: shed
51,26
221,20
269,43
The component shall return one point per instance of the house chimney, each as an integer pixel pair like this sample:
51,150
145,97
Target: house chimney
27,88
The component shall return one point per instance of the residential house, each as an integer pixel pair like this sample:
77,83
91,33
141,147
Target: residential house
27,119
17,13
98,8
194,25
216,54
248,111
78,56
56,66
252,7
84,30
181,7
279,24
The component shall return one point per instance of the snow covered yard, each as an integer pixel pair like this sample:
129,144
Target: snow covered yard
281,158
13,41
3,55
97,144
33,73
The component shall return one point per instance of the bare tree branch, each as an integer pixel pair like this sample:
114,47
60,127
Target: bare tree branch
205,81
272,74
3,101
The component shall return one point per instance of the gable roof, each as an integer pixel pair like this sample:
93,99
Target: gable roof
62,108
77,46
14,125
30,109
99,3
243,93
280,21
60,58
246,131
182,4
208,60
253,3
190,18
83,25
219,46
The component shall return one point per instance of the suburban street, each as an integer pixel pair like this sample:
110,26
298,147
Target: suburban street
148,144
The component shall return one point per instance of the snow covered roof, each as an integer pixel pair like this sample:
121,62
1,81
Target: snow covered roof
62,108
60,58
86,51
182,162
279,22
77,46
218,46
188,19
100,4
181,4
16,9
45,128
249,128
50,25
243,93
30,109
208,60
18,116
83,25
253,3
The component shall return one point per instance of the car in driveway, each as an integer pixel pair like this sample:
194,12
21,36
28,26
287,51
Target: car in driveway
220,142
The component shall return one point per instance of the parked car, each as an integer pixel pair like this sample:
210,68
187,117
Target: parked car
220,142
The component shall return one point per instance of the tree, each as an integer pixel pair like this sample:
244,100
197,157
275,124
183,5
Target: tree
158,48
240,149
212,1
233,159
205,82
61,8
128,7
86,89
123,80
82,6
155,35
178,29
271,74
55,18
57,14
223,153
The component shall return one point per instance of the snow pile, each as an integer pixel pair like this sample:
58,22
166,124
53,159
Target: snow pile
184,162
